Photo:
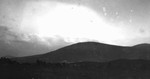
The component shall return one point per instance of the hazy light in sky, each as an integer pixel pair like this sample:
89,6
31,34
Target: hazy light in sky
52,24
72,22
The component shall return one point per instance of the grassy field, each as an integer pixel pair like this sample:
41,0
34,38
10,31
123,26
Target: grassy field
119,69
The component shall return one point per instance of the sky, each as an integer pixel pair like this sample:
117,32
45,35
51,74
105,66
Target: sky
29,27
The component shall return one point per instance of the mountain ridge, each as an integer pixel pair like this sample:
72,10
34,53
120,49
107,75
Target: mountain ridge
88,51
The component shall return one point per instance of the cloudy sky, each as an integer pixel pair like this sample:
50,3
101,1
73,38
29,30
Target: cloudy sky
29,27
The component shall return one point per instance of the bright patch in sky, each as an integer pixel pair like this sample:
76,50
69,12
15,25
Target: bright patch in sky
72,22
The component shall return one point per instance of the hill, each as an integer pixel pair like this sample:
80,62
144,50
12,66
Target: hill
89,51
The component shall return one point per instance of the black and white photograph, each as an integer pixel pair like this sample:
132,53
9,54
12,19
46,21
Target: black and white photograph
74,39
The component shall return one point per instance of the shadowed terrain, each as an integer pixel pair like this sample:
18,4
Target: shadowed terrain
91,51
85,60
117,69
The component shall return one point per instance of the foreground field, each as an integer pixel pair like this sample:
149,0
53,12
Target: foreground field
119,69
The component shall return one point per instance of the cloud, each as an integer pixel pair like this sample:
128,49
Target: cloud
7,35
21,44
4,32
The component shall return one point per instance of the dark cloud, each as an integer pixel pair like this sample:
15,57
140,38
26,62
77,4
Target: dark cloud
142,31
6,49
3,32
3,28
24,48
19,44
6,34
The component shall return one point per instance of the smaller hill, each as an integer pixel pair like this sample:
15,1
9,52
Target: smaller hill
79,52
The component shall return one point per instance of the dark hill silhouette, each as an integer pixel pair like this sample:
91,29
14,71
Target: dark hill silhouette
89,51
8,56
142,45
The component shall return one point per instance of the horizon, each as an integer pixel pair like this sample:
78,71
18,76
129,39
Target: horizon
37,26
79,43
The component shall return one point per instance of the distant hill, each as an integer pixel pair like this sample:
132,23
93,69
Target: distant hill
89,51
8,56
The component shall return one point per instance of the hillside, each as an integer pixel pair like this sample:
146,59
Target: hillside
89,51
